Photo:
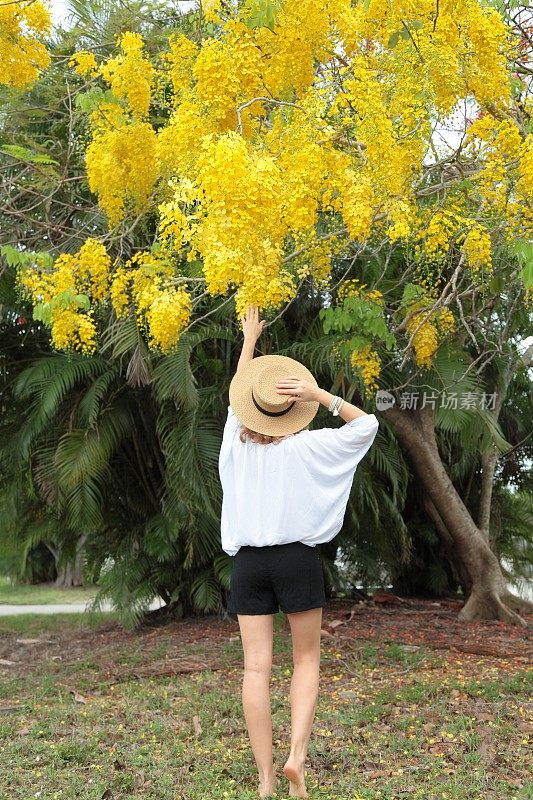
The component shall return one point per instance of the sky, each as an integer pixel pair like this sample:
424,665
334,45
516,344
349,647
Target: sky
58,11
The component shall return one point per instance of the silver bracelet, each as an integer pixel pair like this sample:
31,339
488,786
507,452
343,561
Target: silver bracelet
336,405
338,408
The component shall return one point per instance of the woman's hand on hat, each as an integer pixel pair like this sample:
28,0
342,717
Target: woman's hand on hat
298,390
252,327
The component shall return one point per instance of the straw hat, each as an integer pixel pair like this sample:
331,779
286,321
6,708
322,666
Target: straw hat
257,404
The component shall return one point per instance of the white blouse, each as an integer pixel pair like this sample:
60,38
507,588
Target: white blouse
294,491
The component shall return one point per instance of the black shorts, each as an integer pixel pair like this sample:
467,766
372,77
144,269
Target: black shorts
286,574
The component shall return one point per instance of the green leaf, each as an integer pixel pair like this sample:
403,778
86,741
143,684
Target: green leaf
263,14
524,253
83,301
92,99
22,153
44,259
410,292
13,256
42,313
497,283
357,343
393,40
527,275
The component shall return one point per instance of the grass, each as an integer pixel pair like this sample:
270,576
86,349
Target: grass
42,594
391,722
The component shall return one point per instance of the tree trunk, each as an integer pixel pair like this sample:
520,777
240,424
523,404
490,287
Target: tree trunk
489,597
71,573
447,541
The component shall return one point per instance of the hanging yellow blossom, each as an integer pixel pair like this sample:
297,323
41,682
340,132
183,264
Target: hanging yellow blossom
180,60
477,248
168,313
113,159
72,330
64,294
428,327
130,74
22,24
84,63
368,363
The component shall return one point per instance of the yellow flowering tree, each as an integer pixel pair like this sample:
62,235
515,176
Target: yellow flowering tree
287,149
266,154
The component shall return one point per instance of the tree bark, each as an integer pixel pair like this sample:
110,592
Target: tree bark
447,541
72,572
489,597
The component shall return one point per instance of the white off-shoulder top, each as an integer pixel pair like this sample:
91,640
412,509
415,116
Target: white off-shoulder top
295,490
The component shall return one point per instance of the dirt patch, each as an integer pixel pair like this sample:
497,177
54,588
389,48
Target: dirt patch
198,643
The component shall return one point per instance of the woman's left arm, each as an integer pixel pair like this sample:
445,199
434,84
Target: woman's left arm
251,328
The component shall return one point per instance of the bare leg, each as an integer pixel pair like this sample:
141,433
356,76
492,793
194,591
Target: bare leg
305,629
257,641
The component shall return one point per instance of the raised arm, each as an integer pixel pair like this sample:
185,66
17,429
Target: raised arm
251,328
299,390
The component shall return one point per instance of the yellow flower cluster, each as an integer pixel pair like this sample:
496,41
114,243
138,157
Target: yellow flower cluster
477,248
314,258
84,63
504,156
434,326
23,55
368,362
445,321
440,231
425,341
67,291
130,74
180,60
354,288
173,224
119,291
240,232
402,216
449,225
166,317
144,283
211,9
524,184
120,161
121,158
72,330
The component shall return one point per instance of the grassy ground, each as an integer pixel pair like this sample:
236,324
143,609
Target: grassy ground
91,711
43,593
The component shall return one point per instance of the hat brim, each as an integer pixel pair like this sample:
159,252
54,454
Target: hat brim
300,413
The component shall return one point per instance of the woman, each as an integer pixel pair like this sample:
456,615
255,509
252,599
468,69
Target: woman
285,490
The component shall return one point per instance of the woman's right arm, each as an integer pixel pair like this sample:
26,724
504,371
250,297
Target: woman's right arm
347,412
300,390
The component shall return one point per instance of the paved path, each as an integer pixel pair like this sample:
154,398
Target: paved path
57,608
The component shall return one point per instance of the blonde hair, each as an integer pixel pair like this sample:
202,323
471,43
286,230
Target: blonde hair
247,434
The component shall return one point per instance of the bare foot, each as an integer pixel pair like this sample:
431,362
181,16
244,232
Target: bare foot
295,772
267,786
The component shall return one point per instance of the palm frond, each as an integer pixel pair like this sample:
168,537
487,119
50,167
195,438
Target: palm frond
89,406
173,376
